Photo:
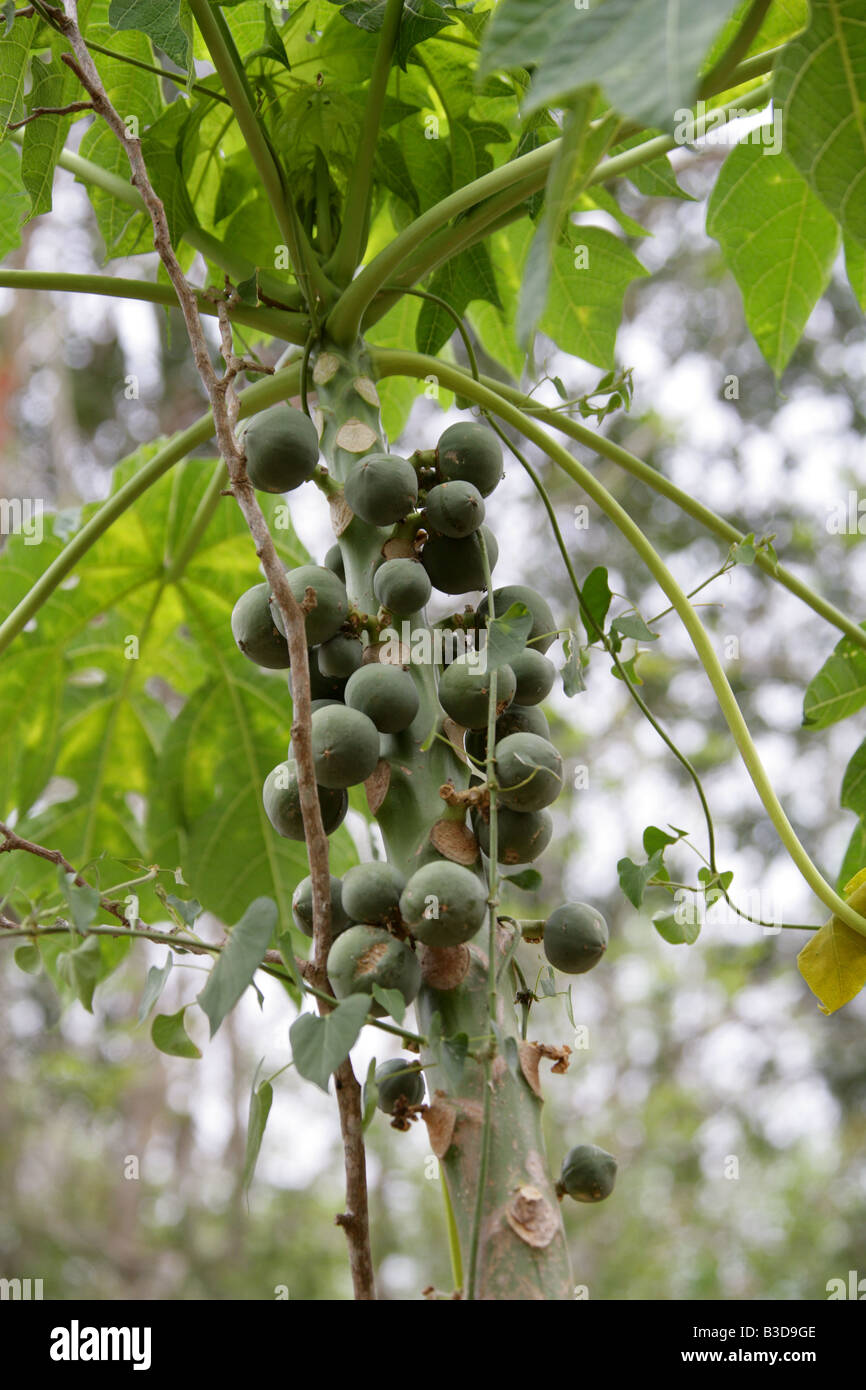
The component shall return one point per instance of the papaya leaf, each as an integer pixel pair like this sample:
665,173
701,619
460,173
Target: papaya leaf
855,268
781,279
170,1036
833,961
839,688
819,81
153,986
596,598
13,198
261,1099
590,273
15,53
166,22
238,961
53,85
855,855
320,1045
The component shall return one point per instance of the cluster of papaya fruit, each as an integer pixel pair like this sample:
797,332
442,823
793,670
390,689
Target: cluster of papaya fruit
361,700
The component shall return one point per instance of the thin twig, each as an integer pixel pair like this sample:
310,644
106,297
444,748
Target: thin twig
51,111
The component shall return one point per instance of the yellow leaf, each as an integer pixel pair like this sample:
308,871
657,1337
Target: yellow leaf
833,963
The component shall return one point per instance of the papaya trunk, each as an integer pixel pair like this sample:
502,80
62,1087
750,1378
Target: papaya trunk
522,1252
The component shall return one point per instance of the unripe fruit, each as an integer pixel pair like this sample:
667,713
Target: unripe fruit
528,771
340,656
282,449
575,938
254,631
382,489
517,719
443,904
386,694
521,835
402,586
398,1080
332,602
334,561
321,687
471,453
588,1173
543,631
322,704
345,746
464,688
457,567
364,956
371,893
282,802
454,509
302,907
535,676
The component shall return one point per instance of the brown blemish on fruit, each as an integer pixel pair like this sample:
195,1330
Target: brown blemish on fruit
368,961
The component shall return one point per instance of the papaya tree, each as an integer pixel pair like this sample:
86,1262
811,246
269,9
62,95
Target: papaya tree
352,204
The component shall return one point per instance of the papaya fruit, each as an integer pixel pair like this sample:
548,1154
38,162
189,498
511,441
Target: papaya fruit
521,835
345,746
464,688
534,674
588,1173
456,566
334,561
575,938
254,630
363,956
282,803
385,694
340,655
281,447
325,619
371,893
402,586
543,631
321,687
454,509
443,904
470,453
382,489
399,1082
528,771
517,719
302,907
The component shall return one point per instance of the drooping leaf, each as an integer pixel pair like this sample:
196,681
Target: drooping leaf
392,1002
820,83
54,84
169,1034
682,930
596,597
82,968
527,880
633,878
261,1099
238,961
855,267
507,635
632,625
839,688
153,986
779,241
833,961
13,198
15,51
320,1045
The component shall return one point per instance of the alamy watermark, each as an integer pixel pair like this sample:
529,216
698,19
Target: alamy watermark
22,516
708,124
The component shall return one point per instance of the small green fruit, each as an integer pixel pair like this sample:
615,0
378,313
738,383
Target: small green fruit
386,694
402,586
529,772
400,1082
340,656
470,453
334,561
454,509
443,904
254,631
364,956
456,566
588,1173
575,938
371,893
521,835
382,489
535,676
464,688
345,746
325,619
282,449
302,907
322,687
282,803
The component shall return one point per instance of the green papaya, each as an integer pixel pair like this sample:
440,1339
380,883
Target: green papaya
281,447
340,655
443,904
400,1082
371,893
464,689
534,674
457,566
331,607
470,453
345,746
575,938
254,630
302,907
382,489
543,631
588,1173
521,835
528,771
386,694
402,586
454,509
364,956
282,802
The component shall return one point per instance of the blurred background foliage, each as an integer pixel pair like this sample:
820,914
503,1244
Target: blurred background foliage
737,1112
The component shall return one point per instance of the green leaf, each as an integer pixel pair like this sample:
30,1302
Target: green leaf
82,969
572,673
392,1002
462,280
647,53
506,636
370,1095
596,598
14,70
13,198
675,932
588,280
855,856
833,961
261,1099
633,878
839,689
655,178
187,910
83,901
320,1045
238,961
855,267
170,1036
161,146
161,20
779,241
28,959
632,625
528,880
853,794
820,82
54,84
656,839
153,986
